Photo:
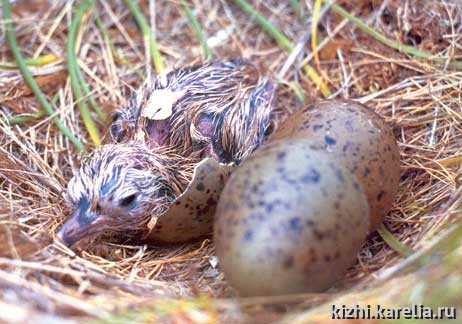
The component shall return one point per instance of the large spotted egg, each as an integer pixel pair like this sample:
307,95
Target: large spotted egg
359,139
290,220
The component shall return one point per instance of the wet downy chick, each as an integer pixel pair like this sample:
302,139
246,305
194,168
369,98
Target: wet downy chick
220,110
120,187
221,107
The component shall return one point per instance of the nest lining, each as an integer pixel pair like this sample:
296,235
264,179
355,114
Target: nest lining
114,280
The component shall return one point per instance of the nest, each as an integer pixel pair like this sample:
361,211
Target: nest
42,280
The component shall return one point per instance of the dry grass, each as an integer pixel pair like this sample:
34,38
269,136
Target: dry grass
39,279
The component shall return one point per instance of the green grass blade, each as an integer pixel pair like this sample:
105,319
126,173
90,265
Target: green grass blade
12,42
24,118
389,42
147,34
19,119
198,30
283,41
87,94
296,6
73,67
402,249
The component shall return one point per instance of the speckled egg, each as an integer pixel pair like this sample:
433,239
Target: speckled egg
290,220
191,214
359,139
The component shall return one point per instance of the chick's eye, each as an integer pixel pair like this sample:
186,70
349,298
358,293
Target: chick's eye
127,201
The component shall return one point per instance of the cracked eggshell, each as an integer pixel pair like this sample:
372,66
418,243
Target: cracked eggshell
191,214
290,220
359,139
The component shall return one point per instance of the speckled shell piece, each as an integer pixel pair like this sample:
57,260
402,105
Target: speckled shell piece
191,215
358,138
290,220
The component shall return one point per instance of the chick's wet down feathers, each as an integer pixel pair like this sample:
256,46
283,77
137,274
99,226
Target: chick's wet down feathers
221,110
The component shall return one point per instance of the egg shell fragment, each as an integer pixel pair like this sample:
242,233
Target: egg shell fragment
290,220
359,139
191,215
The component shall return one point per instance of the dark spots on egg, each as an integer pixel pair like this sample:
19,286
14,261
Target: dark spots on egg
319,235
327,258
339,175
248,235
281,155
200,186
337,205
317,127
295,224
313,256
349,126
380,195
329,140
288,262
312,176
367,171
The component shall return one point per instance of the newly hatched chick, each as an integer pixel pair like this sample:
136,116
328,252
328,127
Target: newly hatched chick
220,109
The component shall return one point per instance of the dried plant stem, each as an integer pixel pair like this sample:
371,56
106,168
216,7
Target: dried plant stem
11,37
88,95
198,30
147,34
73,68
114,50
283,41
389,42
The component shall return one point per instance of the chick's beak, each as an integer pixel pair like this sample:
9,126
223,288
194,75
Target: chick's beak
81,224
